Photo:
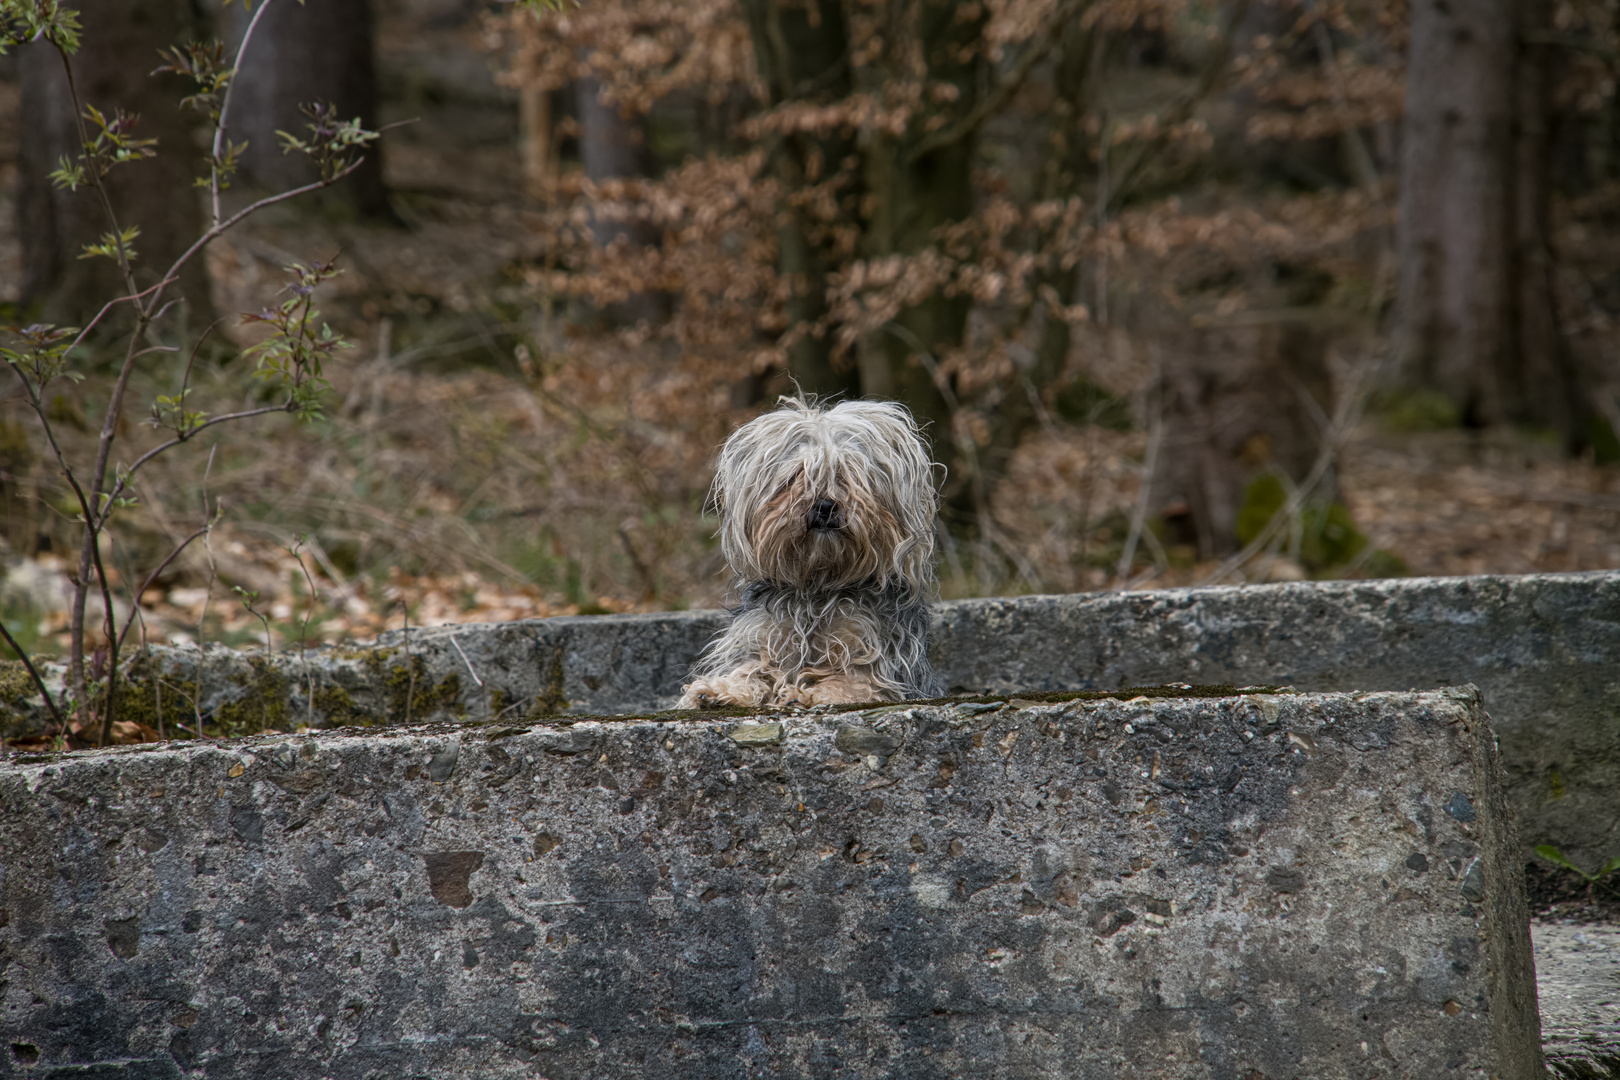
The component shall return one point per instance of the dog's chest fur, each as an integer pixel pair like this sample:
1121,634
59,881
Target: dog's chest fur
792,630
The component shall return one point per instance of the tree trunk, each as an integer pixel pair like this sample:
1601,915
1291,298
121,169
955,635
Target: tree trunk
802,52
111,70
301,53
535,140
912,195
1236,403
1477,316
613,146
1068,161
1544,387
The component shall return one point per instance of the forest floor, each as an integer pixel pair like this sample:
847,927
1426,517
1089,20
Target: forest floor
484,460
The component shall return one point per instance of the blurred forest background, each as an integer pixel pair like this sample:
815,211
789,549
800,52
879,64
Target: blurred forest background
1186,291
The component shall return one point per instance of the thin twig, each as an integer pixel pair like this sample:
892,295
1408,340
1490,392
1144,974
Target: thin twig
1343,420
108,306
90,553
120,485
1361,161
964,443
303,634
252,208
94,175
208,594
191,362
410,665
33,672
1219,59
94,521
643,571
1144,492
1046,39
109,626
466,661
225,105
153,576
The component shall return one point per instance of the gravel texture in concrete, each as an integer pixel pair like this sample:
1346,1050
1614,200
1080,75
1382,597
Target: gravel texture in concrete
1265,885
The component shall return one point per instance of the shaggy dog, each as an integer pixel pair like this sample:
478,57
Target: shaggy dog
827,521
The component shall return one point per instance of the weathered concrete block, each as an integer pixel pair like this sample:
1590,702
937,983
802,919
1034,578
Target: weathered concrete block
1542,647
1278,886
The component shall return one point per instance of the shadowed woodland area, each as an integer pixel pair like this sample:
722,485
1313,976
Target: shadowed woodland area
1185,291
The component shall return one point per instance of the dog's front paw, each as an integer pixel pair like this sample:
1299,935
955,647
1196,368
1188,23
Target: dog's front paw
744,688
818,687
704,694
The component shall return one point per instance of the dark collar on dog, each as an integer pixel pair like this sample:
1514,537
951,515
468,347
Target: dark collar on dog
765,593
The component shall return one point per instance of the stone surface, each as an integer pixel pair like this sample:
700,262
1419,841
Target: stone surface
1544,648
1578,982
1281,886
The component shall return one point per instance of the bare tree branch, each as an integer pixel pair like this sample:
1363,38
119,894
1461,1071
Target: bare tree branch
1144,493
252,208
108,306
225,107
1181,110
120,485
135,606
1344,419
1036,51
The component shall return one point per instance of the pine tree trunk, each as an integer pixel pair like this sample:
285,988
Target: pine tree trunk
1477,314
112,70
301,53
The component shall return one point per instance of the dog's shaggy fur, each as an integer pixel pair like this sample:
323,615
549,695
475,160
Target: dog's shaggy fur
827,520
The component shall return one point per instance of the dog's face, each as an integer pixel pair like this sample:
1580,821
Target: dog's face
817,498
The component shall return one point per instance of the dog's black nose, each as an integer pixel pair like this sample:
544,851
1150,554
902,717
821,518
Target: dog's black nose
825,515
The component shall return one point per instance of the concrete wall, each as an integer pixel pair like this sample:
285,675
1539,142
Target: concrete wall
1287,886
1544,648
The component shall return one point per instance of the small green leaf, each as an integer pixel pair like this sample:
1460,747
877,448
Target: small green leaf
1552,854
67,174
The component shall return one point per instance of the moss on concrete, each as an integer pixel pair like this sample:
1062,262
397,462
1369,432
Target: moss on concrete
552,701
411,692
16,687
336,708
370,659
262,705
164,702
